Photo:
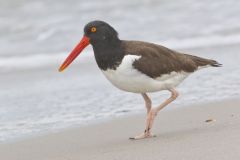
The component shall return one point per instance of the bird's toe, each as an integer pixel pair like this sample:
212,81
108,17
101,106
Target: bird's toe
142,136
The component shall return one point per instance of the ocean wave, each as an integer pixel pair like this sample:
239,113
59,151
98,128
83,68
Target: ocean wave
43,60
32,61
203,41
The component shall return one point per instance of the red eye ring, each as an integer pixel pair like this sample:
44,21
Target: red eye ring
93,29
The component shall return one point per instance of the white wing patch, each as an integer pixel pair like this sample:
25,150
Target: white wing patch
126,67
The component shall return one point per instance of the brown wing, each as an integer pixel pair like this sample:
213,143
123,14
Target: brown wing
157,60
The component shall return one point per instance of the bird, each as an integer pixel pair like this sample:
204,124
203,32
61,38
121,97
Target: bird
137,66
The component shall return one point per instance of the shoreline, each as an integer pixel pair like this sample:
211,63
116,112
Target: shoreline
45,100
101,121
57,101
181,129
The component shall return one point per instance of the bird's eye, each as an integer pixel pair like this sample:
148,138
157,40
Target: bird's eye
93,29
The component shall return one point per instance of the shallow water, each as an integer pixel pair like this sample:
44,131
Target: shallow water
36,36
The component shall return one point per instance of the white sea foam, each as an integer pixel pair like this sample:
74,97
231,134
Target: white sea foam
203,41
40,60
8,64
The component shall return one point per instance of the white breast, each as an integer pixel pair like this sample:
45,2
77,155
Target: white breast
127,78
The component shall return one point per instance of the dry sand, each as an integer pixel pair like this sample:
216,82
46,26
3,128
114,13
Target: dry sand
182,134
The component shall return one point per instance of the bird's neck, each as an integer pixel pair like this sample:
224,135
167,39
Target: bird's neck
108,55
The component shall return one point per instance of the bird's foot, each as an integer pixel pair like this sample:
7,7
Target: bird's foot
142,136
147,133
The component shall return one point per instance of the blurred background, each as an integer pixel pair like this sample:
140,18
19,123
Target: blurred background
37,35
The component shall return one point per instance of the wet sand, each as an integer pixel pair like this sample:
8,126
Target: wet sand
182,133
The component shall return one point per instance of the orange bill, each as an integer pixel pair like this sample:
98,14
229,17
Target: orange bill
76,51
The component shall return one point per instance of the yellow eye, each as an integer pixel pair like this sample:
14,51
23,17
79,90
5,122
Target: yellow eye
93,29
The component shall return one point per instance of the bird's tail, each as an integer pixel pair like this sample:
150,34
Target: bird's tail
202,62
215,64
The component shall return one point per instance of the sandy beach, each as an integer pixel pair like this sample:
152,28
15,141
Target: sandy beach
181,134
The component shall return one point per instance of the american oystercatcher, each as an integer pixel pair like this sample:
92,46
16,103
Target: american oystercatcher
138,67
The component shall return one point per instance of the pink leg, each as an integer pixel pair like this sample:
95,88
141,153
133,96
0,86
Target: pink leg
153,113
148,102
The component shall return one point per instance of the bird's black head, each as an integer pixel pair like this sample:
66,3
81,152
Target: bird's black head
100,33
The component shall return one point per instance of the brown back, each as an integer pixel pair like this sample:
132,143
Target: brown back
157,60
